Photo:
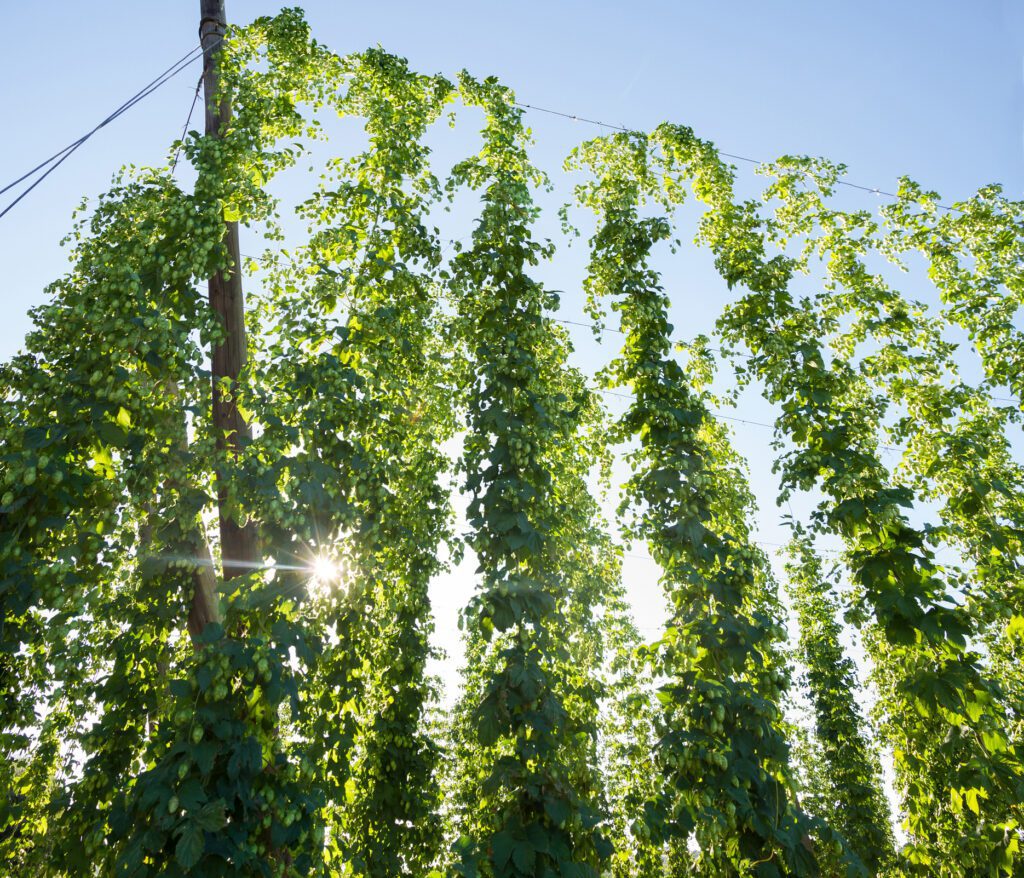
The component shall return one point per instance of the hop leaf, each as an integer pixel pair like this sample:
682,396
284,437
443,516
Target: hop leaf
190,846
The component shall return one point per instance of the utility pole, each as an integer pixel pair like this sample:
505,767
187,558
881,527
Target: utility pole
238,545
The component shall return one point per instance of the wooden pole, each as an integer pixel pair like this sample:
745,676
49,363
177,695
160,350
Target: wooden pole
238,545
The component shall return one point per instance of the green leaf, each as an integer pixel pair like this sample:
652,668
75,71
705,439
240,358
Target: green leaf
189,849
213,632
204,754
523,855
557,810
502,846
191,794
211,816
180,688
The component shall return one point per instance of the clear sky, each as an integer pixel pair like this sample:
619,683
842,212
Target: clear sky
932,89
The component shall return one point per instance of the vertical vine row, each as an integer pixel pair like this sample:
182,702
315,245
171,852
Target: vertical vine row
850,796
525,414
722,754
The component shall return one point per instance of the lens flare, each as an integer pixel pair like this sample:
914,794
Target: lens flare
325,571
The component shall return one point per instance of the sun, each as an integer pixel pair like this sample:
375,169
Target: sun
325,571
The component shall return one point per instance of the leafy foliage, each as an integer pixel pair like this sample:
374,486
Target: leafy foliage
524,474
293,734
721,751
849,795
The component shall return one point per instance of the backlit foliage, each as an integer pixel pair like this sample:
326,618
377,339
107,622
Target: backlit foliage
302,735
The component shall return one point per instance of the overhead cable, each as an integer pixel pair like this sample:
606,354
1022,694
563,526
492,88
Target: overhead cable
729,155
53,162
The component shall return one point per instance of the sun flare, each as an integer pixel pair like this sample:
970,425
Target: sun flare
325,571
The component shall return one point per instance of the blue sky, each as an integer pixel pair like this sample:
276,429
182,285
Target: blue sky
931,89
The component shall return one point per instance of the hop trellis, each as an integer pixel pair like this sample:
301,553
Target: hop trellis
295,738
